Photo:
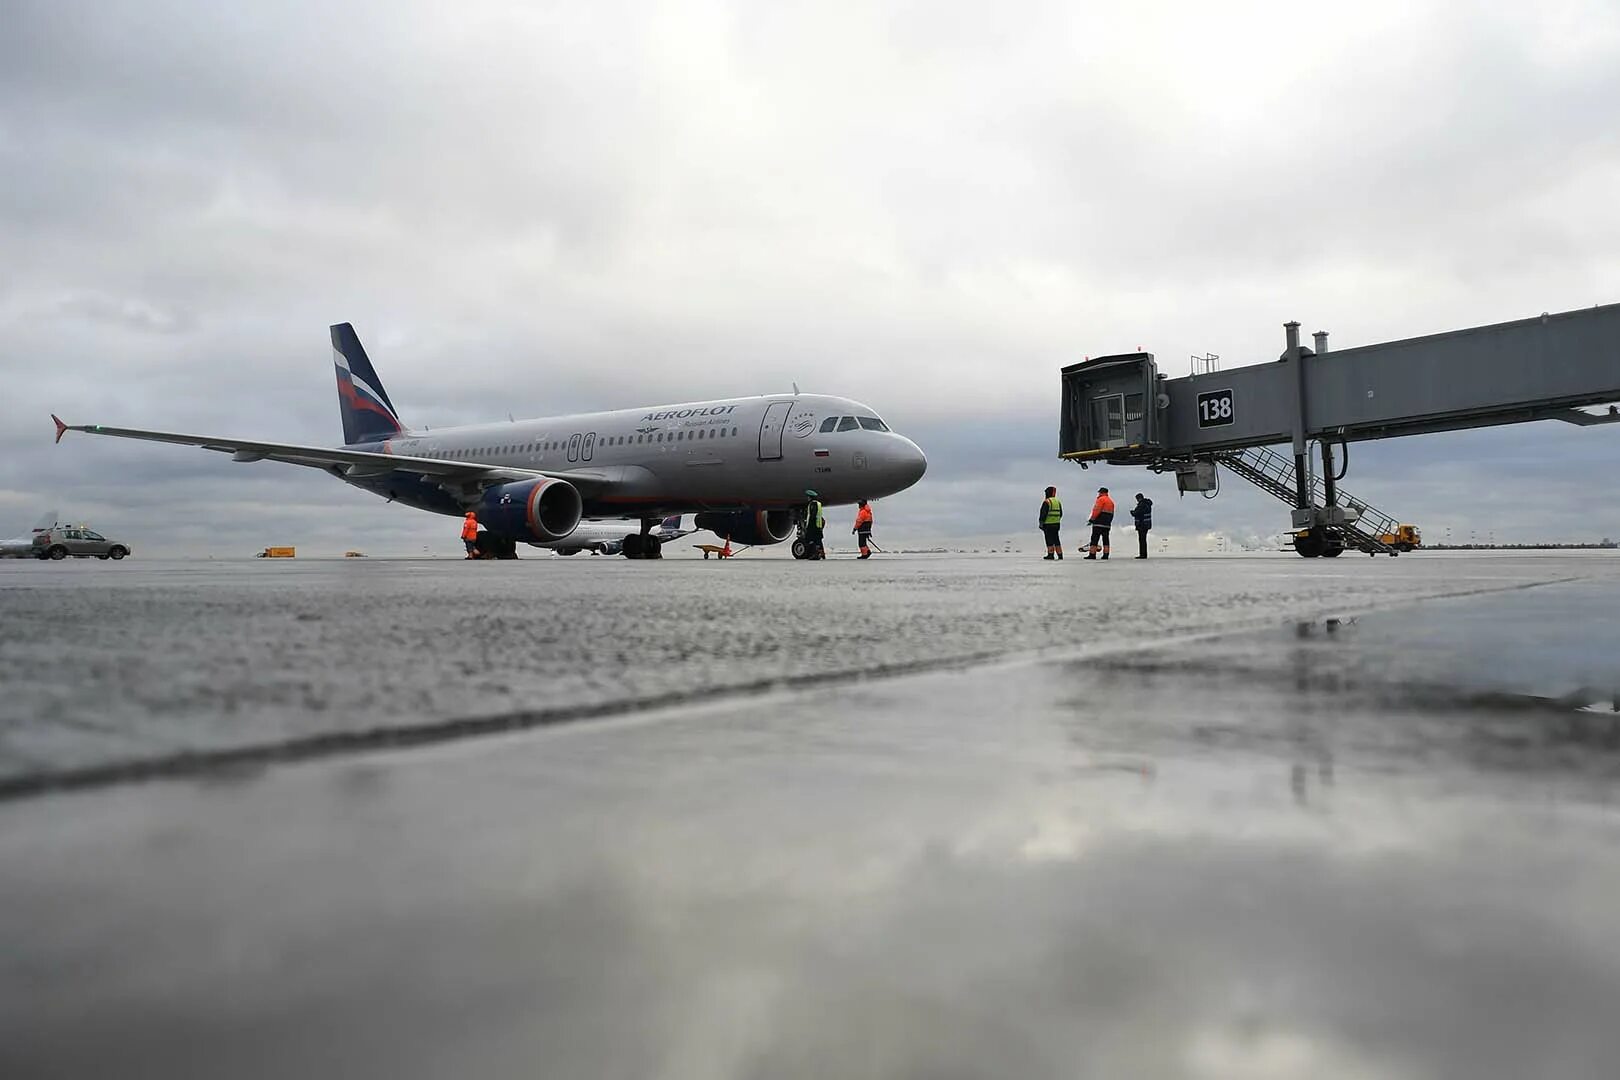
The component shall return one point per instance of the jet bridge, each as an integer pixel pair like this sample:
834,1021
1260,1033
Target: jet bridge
1120,410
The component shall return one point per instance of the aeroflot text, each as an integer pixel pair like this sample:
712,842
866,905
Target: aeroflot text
682,414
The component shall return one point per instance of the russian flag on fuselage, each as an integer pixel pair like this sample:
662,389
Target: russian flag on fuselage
368,415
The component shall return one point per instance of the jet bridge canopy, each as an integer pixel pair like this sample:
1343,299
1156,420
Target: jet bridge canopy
1111,407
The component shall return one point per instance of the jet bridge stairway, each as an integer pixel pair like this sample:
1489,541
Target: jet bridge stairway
1274,473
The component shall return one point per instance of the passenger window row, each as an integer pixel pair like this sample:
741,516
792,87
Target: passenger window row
611,440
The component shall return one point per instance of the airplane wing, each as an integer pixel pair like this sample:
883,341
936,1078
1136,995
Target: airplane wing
350,463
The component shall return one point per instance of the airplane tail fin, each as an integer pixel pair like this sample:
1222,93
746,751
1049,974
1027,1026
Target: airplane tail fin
368,415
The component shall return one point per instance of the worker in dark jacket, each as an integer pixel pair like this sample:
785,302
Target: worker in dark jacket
1142,514
1102,519
1050,520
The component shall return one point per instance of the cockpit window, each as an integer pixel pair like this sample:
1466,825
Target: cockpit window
872,423
829,424
847,423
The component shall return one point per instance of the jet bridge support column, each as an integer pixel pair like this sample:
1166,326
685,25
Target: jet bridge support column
1302,460
1330,491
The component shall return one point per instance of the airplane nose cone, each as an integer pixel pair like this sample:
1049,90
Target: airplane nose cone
910,463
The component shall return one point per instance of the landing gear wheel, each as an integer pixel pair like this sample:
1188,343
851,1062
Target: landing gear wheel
497,547
653,548
800,549
632,546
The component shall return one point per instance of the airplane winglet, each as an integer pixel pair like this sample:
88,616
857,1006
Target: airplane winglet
61,428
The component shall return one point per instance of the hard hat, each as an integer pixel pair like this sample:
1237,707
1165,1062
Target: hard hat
1102,491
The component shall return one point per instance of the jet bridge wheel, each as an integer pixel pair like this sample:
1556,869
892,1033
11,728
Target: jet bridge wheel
1314,544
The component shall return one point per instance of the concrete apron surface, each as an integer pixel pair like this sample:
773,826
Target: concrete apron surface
1381,845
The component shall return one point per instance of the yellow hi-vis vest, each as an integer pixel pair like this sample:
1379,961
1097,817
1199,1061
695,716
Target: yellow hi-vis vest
1054,511
815,516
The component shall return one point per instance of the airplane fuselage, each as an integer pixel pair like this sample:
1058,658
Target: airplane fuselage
733,454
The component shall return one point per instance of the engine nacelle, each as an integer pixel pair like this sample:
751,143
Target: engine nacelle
751,528
543,509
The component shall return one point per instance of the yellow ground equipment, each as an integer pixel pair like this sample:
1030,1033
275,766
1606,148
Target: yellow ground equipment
277,553
1404,538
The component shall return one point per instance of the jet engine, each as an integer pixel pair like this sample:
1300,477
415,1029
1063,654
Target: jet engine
749,527
543,509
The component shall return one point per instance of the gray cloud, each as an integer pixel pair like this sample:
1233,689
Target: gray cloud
927,207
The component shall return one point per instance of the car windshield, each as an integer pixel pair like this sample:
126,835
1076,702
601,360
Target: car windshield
88,535
872,423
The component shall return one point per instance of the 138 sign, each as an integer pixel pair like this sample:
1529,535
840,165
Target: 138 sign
1215,408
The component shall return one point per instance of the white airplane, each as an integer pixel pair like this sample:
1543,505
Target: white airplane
22,547
607,537
744,466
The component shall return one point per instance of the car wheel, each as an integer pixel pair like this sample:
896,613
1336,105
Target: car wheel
58,552
103,558
118,552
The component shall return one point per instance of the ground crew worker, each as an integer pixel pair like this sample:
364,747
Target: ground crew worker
469,534
725,552
1142,514
1051,517
814,522
1102,518
863,528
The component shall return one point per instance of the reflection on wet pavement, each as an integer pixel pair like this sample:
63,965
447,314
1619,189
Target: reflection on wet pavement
1372,851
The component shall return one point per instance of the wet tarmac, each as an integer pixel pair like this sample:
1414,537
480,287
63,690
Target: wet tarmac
1221,817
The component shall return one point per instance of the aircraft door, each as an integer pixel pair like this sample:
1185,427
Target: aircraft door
771,428
589,447
573,448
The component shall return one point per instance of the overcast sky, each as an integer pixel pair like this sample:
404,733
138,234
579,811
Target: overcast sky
926,206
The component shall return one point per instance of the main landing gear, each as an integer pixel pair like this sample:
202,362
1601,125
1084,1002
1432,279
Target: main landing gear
491,546
643,545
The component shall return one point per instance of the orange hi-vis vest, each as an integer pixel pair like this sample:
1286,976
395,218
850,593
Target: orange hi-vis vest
469,528
863,517
1103,505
